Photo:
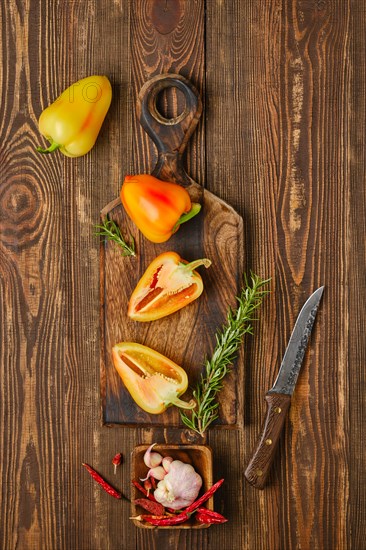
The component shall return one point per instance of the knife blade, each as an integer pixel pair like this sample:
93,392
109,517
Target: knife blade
279,396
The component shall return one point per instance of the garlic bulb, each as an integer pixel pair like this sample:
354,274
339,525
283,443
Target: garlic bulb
180,486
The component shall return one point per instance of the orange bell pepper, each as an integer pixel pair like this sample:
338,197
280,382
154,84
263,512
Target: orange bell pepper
153,380
157,207
168,284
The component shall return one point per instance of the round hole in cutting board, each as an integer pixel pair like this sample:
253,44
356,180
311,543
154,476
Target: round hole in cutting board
171,104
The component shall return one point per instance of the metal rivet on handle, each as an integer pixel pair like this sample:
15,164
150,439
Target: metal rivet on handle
259,473
277,410
268,441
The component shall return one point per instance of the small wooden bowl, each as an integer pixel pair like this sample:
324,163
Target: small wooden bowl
200,456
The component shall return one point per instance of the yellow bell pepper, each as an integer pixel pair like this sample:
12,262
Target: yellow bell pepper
153,380
72,123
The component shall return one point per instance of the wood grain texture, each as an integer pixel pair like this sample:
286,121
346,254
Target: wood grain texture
168,37
282,140
97,45
355,286
32,294
285,80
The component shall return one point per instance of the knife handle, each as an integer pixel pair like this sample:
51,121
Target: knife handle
260,464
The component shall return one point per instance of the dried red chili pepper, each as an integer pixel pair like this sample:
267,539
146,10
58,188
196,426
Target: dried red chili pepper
166,520
148,486
204,497
117,460
153,483
154,508
142,490
211,513
208,520
103,483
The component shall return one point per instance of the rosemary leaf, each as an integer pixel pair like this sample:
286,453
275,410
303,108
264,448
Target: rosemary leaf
110,231
228,340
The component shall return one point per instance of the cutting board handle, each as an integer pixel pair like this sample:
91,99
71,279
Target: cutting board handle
169,135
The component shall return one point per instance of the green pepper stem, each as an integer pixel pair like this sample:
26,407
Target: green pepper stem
188,215
196,263
50,149
182,404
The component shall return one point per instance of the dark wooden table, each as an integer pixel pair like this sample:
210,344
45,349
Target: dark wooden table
282,140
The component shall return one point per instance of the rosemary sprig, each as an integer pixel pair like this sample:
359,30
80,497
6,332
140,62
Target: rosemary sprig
110,230
228,341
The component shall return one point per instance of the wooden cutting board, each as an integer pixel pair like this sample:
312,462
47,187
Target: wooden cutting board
187,336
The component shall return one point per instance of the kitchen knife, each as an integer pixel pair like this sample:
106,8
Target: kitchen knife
279,397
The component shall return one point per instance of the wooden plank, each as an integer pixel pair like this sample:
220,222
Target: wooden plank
32,270
312,238
241,162
98,41
356,287
168,37
277,118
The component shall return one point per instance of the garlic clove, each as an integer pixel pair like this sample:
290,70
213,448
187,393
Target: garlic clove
152,459
167,460
157,473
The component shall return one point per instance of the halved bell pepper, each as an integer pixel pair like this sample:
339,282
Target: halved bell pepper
73,121
168,284
157,207
153,380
